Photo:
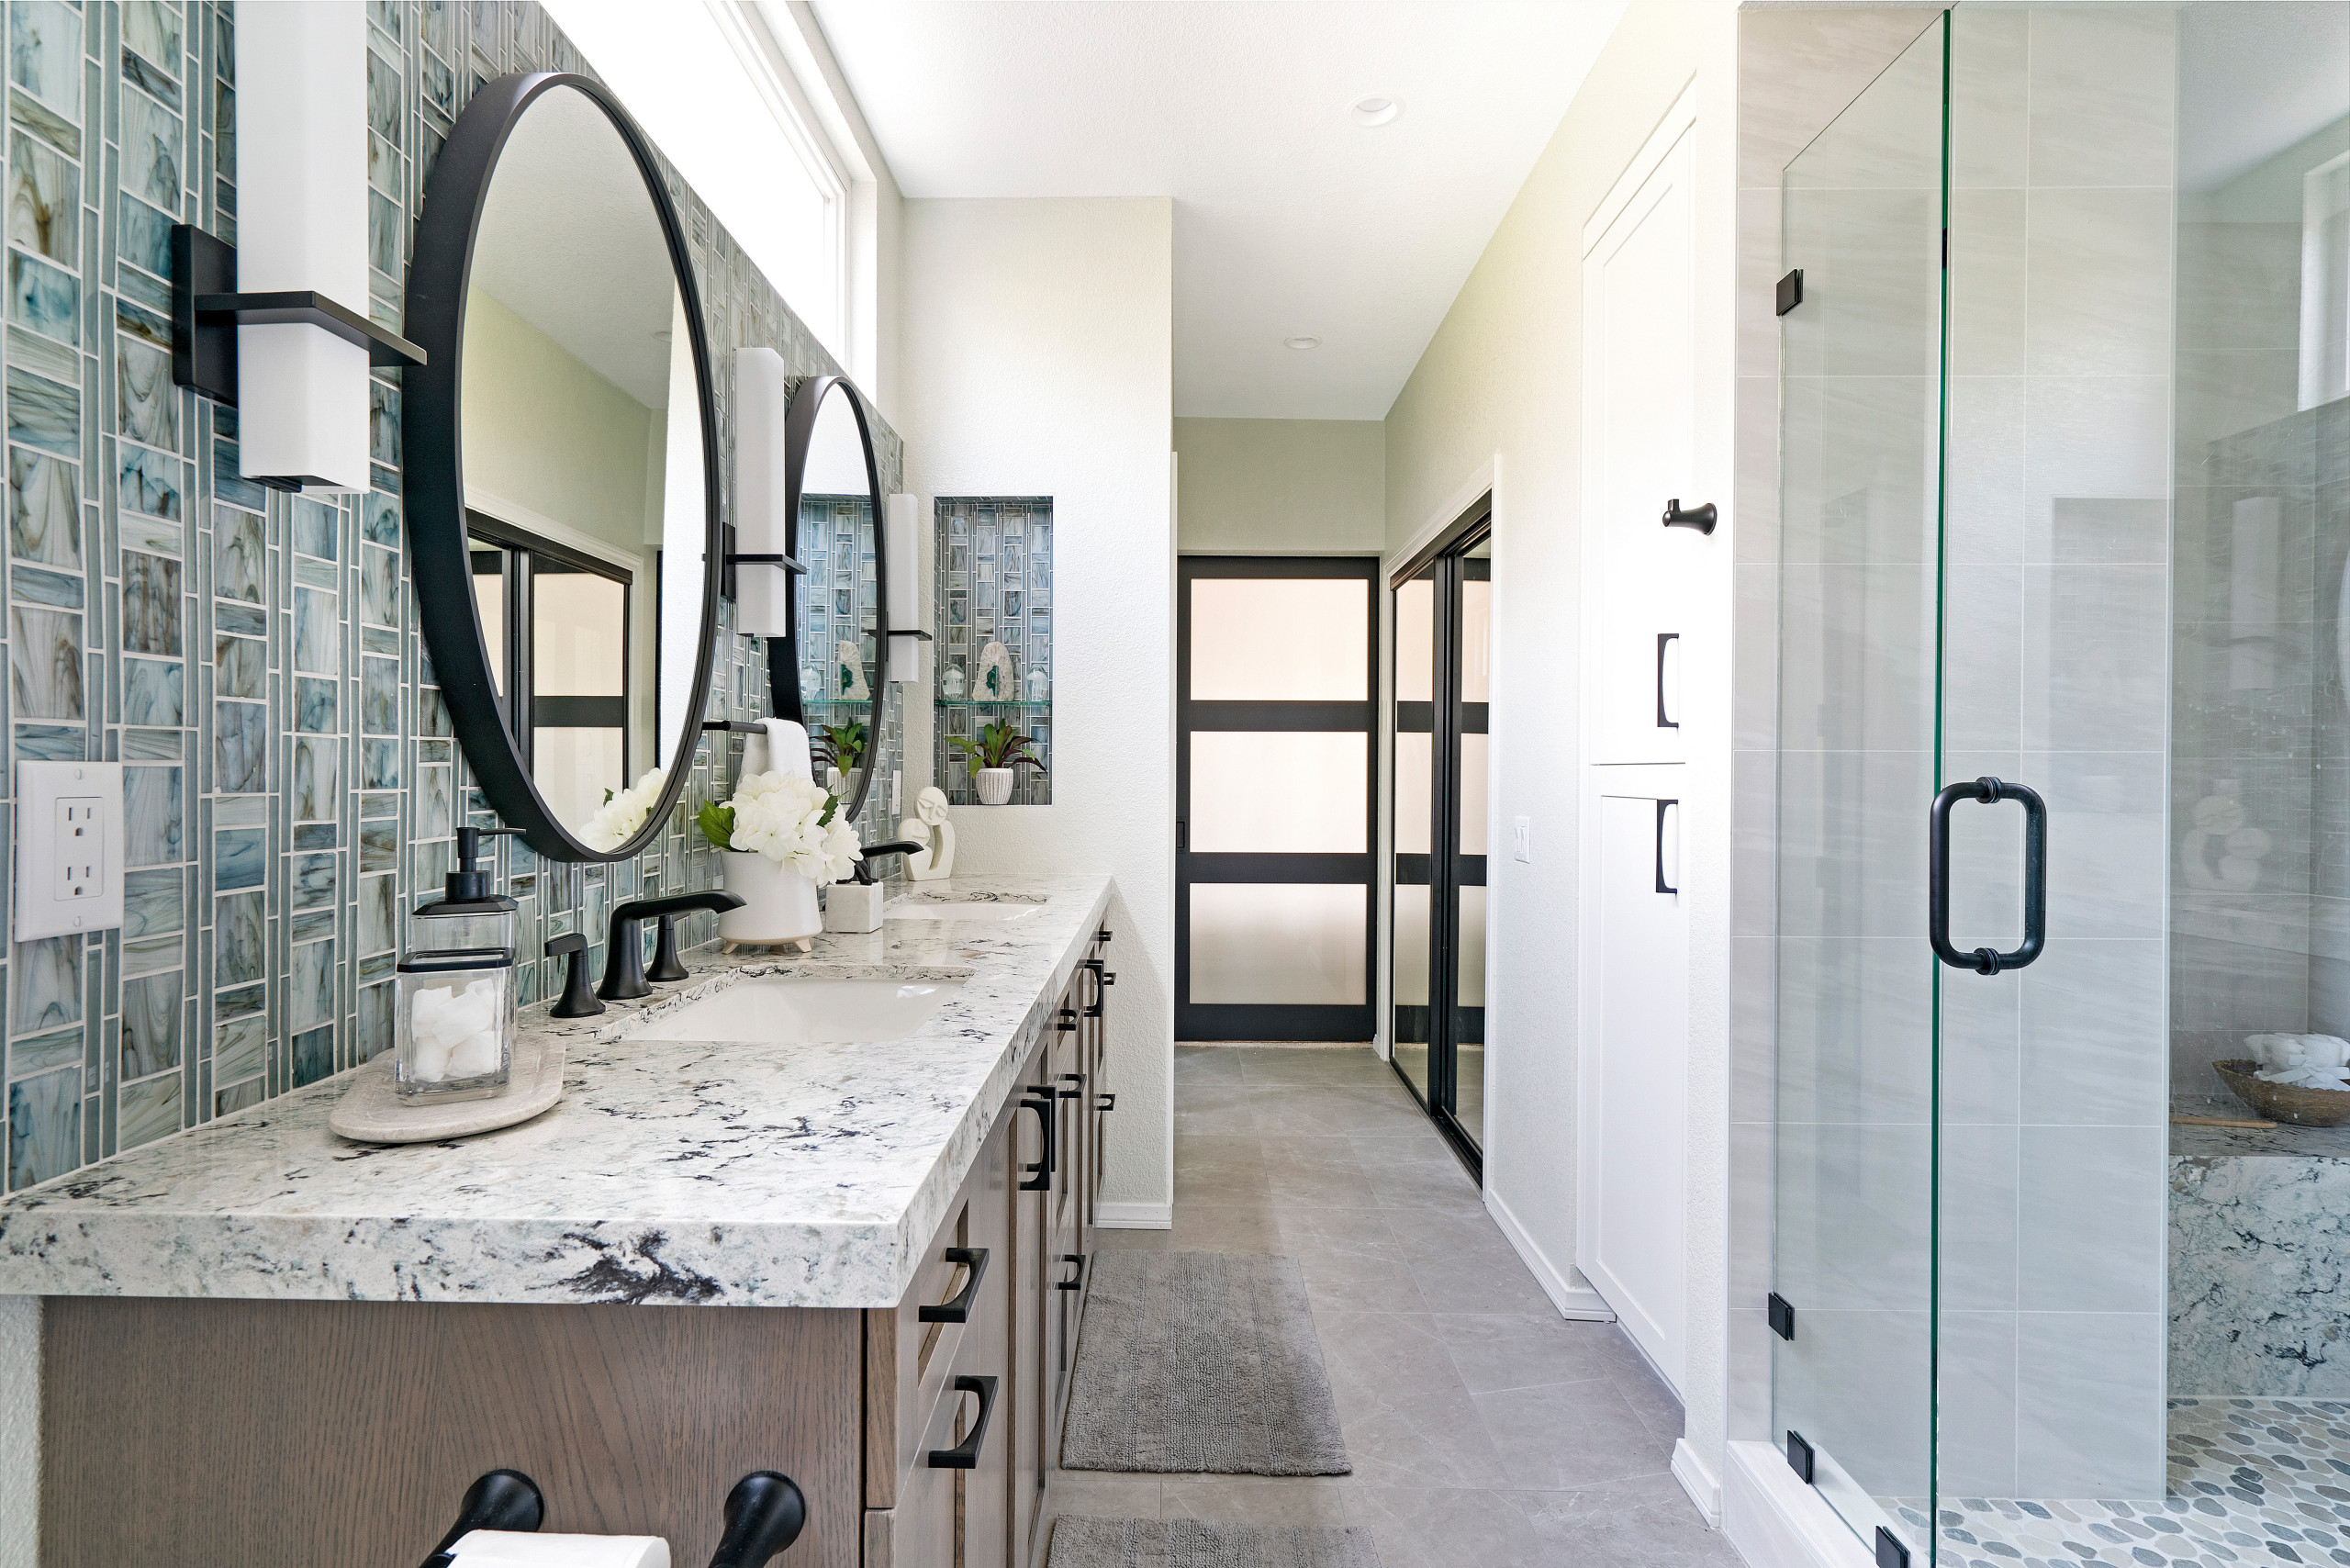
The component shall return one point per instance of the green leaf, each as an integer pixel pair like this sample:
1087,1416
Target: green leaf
717,823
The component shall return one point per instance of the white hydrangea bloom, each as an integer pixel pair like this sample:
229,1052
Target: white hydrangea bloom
780,816
617,821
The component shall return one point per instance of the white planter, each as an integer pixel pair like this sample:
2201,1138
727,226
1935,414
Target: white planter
995,786
779,904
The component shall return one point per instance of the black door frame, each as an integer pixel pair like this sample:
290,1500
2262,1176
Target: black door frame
1275,1021
1446,868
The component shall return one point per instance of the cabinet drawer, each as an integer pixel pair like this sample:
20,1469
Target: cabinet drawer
954,1517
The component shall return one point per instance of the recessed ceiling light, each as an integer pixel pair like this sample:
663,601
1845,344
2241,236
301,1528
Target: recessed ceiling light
1302,342
1376,110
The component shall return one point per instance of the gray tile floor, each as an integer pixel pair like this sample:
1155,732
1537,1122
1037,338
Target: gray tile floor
1484,1429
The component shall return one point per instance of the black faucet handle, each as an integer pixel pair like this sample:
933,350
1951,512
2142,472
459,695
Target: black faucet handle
578,998
667,965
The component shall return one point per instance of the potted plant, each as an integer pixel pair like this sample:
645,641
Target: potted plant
840,747
783,837
995,758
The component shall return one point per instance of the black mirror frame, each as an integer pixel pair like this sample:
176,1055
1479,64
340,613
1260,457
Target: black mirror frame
798,431
433,471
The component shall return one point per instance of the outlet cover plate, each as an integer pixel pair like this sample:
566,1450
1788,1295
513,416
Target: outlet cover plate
68,848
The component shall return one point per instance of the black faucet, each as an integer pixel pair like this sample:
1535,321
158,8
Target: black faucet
624,971
899,846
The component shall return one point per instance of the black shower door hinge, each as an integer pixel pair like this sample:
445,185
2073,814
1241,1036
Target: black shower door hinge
1782,1316
1791,291
1890,1552
1799,1455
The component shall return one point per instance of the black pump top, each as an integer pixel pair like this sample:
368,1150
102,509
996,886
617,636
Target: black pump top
466,888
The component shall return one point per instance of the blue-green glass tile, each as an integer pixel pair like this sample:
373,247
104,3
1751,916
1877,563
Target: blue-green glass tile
42,356
44,413
383,424
44,509
45,668
33,586
317,795
379,697
378,914
313,1056
316,632
379,640
315,527
152,903
149,326
379,766
239,750
46,299
433,812
44,201
142,237
151,151
34,116
44,1124
240,811
150,603
150,692
147,406
151,745
147,481
431,751
315,705
149,1041
45,1053
151,292
310,986
152,534
151,809
50,743
380,518
239,1047
45,51
317,836
313,881
379,846
310,926
374,1022
238,558
432,711
243,620
227,483
149,1110
239,859
239,926
318,574
379,587
149,80
45,992
375,807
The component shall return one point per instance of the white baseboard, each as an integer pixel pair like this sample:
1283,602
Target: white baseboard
1776,1521
1566,1290
1134,1216
1698,1482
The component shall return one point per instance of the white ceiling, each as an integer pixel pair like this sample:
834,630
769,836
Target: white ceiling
1290,218
2253,81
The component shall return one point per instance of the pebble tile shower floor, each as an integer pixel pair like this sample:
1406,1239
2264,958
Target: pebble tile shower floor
2252,1481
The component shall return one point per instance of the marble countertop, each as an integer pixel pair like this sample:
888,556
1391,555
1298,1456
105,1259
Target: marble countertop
669,1173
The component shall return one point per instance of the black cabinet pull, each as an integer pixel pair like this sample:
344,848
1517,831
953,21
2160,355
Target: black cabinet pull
1664,721
1103,935
1103,978
1702,518
1661,885
1076,1281
1105,1102
964,1455
958,1310
1988,791
1043,1169
1066,1021
1078,1092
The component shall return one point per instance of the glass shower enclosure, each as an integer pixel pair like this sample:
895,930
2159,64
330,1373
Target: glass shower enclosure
2063,789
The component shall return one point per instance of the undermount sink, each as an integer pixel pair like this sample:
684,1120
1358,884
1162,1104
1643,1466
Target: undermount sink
784,1010
993,910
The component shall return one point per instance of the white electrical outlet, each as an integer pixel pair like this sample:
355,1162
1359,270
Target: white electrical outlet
1522,839
68,848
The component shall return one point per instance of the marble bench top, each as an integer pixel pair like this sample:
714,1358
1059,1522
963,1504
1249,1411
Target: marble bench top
669,1173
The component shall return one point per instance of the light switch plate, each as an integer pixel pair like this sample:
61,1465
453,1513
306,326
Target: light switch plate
1522,839
68,848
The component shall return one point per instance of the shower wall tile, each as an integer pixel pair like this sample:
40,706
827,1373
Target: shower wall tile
251,656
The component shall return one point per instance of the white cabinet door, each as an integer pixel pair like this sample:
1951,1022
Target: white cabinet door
1629,1235
1639,455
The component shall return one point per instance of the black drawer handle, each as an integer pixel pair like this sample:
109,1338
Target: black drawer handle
1078,1092
958,1310
1042,1169
1067,1021
1106,1101
1103,935
1076,1281
964,1455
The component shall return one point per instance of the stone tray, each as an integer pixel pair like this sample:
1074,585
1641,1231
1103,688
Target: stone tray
371,1111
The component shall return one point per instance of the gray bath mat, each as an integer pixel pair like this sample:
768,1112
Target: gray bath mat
1200,1362
1201,1543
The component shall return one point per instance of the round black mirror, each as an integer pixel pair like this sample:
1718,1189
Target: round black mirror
560,477
832,494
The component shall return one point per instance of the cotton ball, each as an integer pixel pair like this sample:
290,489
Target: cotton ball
2328,1050
2265,1049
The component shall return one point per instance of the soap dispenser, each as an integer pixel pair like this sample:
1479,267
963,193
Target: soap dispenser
455,1008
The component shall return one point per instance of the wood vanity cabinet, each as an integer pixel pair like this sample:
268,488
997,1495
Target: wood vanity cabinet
1029,1205
284,1433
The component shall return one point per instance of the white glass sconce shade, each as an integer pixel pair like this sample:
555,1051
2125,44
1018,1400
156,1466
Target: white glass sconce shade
762,397
302,192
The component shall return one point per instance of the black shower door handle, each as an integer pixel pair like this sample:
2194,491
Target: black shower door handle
1662,885
1664,719
1990,791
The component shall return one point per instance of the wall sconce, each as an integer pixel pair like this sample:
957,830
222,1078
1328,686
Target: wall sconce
905,598
262,325
761,531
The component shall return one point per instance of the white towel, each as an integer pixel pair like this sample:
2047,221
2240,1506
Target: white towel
519,1548
787,748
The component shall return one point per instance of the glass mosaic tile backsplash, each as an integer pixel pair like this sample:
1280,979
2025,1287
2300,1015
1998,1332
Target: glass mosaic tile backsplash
291,786
994,635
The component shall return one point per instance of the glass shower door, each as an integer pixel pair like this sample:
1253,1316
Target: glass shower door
1860,613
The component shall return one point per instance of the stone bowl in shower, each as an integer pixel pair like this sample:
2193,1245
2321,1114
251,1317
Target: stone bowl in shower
2284,1102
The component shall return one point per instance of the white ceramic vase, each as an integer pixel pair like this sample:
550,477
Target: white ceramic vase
779,904
995,786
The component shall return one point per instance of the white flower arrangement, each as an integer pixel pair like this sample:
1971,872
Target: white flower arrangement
624,812
792,821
